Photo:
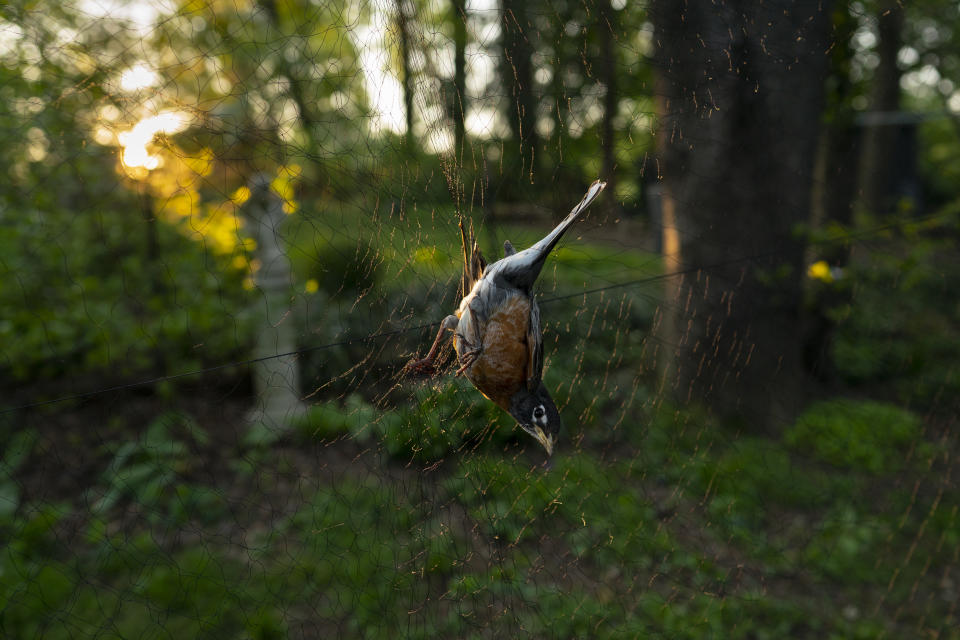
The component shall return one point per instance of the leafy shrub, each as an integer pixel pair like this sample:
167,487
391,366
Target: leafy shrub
436,421
845,544
578,501
328,420
16,450
856,434
913,343
755,481
146,470
114,309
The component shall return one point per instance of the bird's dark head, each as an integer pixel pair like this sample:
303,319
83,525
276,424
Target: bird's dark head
537,415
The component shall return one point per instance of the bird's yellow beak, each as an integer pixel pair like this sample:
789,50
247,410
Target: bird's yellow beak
545,440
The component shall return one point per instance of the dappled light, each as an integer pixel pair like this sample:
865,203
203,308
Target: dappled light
135,141
139,76
240,391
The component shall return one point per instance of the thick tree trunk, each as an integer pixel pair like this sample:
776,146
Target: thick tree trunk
517,75
740,92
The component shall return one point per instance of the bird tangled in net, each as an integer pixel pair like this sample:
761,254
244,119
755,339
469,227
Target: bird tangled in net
497,333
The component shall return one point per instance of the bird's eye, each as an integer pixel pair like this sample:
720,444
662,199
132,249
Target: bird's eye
538,412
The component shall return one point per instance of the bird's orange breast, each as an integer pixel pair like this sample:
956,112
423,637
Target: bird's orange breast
501,369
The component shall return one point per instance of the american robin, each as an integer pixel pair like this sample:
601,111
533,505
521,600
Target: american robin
496,329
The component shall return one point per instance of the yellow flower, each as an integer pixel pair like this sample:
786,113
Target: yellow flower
820,271
241,195
312,286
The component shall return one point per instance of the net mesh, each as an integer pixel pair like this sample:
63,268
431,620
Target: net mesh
227,226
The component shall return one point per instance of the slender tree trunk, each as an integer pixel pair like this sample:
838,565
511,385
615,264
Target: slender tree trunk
834,194
880,139
296,92
459,77
608,75
517,74
406,73
740,86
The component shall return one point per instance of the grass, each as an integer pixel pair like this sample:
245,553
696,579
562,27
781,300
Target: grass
495,546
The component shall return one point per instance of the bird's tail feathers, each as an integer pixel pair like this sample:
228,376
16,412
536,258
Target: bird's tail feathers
546,245
473,262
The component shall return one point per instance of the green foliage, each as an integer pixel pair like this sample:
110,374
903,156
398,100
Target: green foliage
145,471
845,545
899,327
577,501
343,267
67,277
653,522
856,434
353,561
437,421
93,285
328,420
753,483
27,583
16,450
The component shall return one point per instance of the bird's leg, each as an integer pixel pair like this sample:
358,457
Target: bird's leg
425,365
469,352
468,357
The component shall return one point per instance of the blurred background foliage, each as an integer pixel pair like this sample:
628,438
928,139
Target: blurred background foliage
140,506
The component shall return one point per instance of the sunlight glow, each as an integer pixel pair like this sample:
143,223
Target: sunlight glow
137,77
383,87
140,15
10,36
135,141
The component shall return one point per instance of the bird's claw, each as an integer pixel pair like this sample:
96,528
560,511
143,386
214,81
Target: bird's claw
467,360
422,368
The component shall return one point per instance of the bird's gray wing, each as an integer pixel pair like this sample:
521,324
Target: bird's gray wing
521,269
534,348
475,314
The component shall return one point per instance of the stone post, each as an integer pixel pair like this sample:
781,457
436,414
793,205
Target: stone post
276,378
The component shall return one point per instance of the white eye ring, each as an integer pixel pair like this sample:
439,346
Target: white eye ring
538,412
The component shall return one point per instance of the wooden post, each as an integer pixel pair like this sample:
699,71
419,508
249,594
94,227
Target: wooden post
276,375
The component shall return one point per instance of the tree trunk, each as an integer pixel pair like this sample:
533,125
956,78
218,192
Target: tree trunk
834,194
608,75
406,73
459,77
517,74
880,138
740,88
295,92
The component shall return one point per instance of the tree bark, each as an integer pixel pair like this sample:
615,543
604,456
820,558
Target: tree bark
608,75
295,92
459,77
880,139
835,192
406,73
740,92
517,75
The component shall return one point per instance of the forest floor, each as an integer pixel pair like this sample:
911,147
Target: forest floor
417,510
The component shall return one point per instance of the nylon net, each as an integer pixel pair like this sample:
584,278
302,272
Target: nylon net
227,226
